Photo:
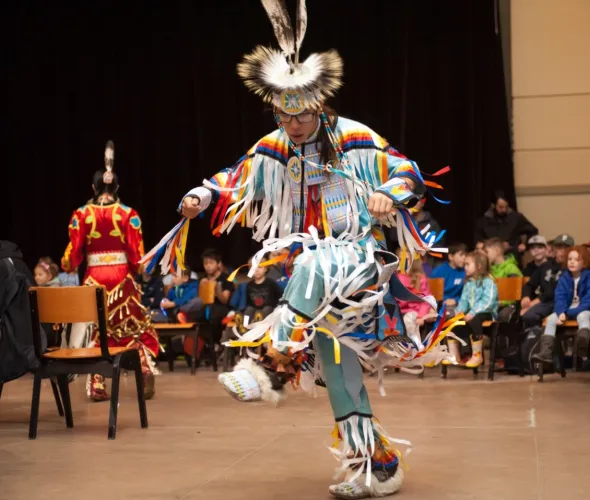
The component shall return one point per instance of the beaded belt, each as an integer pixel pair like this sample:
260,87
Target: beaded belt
106,259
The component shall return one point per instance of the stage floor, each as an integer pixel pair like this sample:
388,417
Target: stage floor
513,439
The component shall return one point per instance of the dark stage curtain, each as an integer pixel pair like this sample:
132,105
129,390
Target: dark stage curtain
159,79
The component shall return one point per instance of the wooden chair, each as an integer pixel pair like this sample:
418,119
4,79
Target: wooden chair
169,330
437,288
509,290
79,305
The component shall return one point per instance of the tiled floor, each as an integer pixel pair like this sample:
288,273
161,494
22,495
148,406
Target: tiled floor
510,439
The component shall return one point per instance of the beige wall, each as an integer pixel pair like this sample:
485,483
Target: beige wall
550,49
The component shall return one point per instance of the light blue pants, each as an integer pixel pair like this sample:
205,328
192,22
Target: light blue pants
583,320
344,381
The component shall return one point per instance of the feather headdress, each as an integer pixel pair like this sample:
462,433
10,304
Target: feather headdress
278,77
109,162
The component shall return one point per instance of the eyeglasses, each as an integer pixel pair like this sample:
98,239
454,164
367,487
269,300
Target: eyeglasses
301,118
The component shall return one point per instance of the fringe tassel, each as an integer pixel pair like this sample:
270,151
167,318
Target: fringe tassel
170,251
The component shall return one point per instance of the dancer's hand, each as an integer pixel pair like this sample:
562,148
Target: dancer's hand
561,319
191,206
380,205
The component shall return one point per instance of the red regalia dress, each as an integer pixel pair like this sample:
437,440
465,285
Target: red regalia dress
110,237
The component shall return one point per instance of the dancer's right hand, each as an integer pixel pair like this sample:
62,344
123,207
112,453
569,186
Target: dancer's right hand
191,206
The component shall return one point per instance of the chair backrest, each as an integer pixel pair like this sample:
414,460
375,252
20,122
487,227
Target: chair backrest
71,304
509,289
437,288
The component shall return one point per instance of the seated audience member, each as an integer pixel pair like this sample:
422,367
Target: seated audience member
560,244
501,221
453,274
415,313
572,302
502,267
538,248
46,273
182,299
538,294
479,303
215,293
262,296
275,271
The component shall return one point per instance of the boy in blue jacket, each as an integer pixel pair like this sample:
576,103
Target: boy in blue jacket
182,298
453,274
572,301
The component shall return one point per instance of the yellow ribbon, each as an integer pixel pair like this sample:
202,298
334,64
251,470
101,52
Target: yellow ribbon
246,343
336,343
336,436
267,263
179,252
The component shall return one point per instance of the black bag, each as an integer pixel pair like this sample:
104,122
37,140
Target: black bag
17,354
531,345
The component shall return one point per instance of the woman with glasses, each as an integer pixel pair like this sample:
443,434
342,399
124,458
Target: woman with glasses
321,186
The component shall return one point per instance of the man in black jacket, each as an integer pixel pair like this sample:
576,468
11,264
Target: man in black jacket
501,221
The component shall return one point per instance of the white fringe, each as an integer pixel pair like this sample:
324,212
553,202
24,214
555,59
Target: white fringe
361,430
263,380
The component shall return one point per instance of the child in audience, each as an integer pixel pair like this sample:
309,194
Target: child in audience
538,294
46,273
182,298
453,273
262,296
275,271
216,281
479,303
572,301
415,313
538,248
502,267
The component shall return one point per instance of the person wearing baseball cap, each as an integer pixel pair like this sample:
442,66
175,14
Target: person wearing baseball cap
537,246
538,294
560,244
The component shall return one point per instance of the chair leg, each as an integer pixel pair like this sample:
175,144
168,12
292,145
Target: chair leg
562,360
115,399
213,354
170,357
194,353
57,398
140,396
1,387
493,347
444,370
64,388
35,406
